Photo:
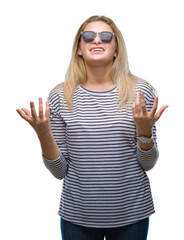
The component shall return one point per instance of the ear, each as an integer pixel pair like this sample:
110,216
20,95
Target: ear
79,51
115,54
116,51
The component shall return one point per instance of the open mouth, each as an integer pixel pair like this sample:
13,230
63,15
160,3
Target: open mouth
97,49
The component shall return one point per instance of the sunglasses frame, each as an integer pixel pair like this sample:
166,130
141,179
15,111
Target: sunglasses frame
95,33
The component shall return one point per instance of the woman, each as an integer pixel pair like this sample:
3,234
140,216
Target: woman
98,134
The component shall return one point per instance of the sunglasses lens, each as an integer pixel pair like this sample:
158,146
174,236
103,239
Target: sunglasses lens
106,37
88,36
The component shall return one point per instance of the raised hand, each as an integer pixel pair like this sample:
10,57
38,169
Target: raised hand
40,122
145,120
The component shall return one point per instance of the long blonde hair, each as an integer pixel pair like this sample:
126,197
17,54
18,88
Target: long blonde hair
76,72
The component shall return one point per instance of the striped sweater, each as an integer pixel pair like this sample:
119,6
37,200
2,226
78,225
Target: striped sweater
105,184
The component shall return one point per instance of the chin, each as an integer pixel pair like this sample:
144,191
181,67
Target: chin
100,62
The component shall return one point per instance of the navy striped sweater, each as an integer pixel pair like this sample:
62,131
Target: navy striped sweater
105,184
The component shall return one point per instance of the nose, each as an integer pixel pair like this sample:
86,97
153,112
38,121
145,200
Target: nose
97,38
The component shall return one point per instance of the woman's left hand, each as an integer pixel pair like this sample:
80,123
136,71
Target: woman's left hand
145,120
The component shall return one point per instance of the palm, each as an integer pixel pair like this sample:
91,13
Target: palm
145,120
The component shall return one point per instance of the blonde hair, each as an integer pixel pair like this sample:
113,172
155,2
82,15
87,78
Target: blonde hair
76,72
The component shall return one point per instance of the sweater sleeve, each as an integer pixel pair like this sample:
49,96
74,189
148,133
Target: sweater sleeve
59,166
147,159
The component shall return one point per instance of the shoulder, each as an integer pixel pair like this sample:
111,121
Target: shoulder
56,91
55,97
145,87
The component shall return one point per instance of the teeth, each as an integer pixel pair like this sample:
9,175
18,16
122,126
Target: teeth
96,50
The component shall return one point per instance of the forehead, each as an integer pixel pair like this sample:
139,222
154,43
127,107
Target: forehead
97,26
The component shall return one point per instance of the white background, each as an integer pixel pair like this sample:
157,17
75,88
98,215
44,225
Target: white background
36,38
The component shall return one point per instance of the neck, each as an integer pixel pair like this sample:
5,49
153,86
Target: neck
99,78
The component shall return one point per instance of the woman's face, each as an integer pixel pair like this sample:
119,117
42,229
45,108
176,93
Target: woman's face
97,52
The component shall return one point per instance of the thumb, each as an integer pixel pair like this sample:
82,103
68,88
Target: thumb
160,112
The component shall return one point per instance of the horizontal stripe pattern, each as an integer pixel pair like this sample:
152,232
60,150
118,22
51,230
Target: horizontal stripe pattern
103,169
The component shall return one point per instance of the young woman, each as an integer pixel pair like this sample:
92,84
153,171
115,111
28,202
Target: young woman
98,134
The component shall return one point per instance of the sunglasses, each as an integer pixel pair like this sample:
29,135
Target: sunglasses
89,36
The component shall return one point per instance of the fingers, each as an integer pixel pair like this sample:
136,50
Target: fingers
136,106
25,114
32,116
47,110
143,104
139,106
41,113
160,112
33,111
154,108
40,108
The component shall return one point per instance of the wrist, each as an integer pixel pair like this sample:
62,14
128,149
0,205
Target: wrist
147,134
45,134
145,143
145,140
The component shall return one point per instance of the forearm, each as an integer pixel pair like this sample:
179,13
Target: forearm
148,134
52,157
147,154
49,147
147,158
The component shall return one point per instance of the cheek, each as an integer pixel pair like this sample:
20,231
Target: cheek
82,50
113,51
112,48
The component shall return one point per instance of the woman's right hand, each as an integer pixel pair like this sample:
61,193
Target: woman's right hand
40,122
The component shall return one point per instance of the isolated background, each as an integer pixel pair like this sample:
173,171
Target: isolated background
36,38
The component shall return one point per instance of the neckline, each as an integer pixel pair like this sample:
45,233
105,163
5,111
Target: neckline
97,93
